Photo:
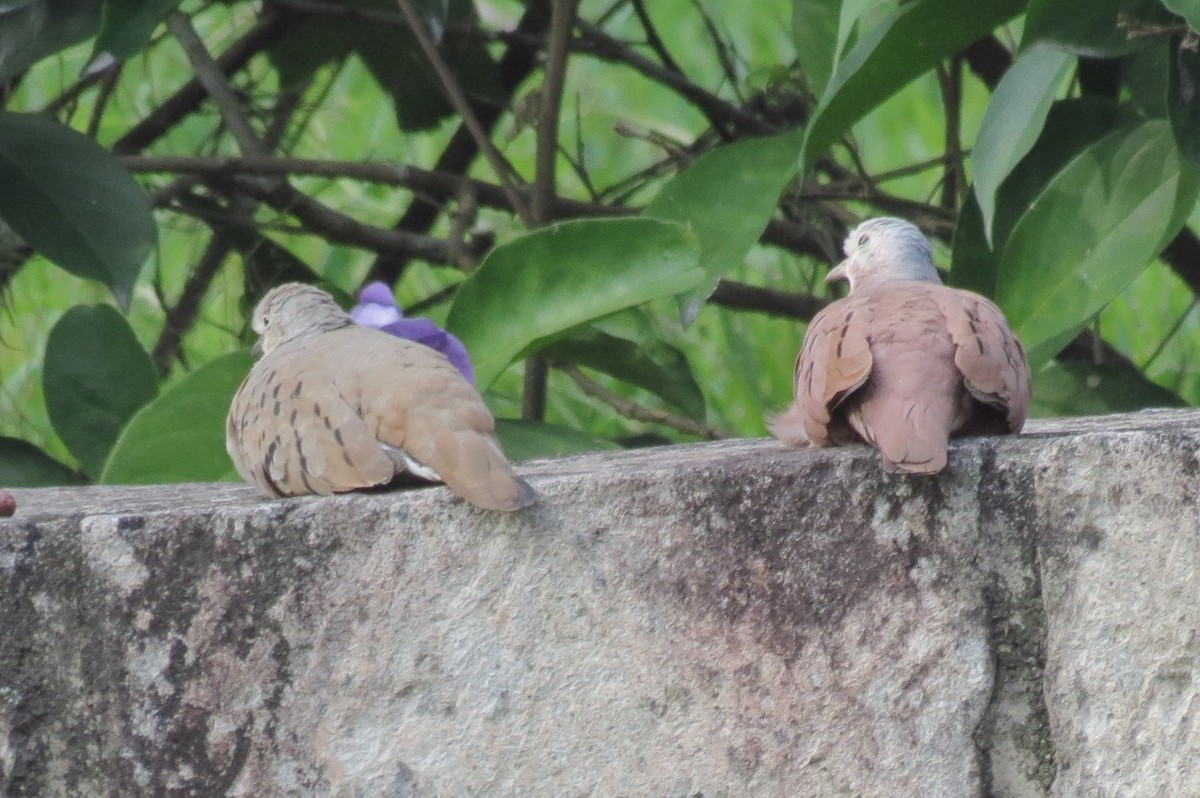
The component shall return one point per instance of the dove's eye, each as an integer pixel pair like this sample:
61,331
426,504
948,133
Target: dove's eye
863,239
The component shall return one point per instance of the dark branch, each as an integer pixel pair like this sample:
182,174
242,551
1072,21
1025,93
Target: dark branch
271,26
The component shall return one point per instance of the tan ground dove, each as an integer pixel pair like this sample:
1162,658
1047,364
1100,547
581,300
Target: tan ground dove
333,407
904,362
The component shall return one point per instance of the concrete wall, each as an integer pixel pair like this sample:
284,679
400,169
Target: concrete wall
729,619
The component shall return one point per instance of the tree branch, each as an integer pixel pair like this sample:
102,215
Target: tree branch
209,73
271,26
739,296
182,315
636,412
337,227
562,22
779,232
596,42
653,39
504,170
518,61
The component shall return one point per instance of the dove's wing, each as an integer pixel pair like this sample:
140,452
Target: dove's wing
835,360
291,433
988,354
353,407
415,400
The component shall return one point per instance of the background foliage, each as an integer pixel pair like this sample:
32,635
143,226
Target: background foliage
624,209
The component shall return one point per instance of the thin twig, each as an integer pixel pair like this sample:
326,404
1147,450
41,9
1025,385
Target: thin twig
1162,345
180,317
739,296
518,62
504,170
209,73
653,39
187,99
337,227
720,47
633,410
595,41
107,86
434,299
781,233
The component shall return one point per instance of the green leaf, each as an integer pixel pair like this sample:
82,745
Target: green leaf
33,29
309,45
1183,99
1070,128
815,34
909,42
265,262
1090,29
180,437
23,465
973,264
1146,75
1081,389
1096,226
72,202
126,26
95,376
1188,9
626,346
1013,120
529,440
401,68
727,197
533,289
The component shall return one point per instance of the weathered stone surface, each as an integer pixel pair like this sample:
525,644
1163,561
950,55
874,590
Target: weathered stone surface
731,619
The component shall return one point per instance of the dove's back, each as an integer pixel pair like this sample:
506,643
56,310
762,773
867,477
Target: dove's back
353,408
904,366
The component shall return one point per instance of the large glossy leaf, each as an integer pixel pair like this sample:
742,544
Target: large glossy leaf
727,197
1183,99
911,41
23,465
32,29
126,25
1014,119
815,33
1071,127
1094,228
527,440
391,54
72,202
1092,28
973,264
627,346
533,289
399,66
1081,389
96,375
180,437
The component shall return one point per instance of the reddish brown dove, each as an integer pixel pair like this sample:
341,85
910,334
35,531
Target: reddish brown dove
333,407
904,362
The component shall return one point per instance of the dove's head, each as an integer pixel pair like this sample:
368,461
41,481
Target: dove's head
885,249
294,310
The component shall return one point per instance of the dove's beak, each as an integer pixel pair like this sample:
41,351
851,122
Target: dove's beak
838,272
257,350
